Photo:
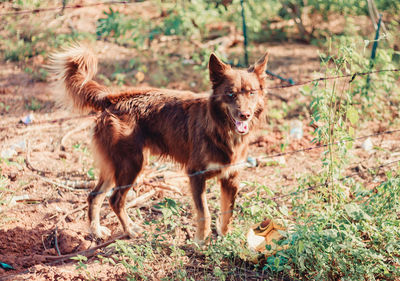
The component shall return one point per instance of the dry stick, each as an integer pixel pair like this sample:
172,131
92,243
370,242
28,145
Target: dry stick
70,213
374,14
28,160
56,183
80,184
164,186
87,253
71,132
141,199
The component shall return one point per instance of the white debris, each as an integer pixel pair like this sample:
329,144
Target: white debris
367,145
296,129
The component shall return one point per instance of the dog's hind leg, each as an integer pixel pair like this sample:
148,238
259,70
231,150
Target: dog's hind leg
229,189
95,200
198,188
126,172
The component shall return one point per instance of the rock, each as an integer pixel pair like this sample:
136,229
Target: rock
69,241
367,145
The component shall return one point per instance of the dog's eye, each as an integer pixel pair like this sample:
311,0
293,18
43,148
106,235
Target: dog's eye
231,95
252,93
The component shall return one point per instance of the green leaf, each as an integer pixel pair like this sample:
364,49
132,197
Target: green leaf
301,246
277,262
351,132
284,210
352,114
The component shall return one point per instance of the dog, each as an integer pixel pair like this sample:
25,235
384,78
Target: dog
206,133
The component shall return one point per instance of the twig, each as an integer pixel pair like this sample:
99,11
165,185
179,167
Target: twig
71,132
374,14
164,186
28,160
70,213
80,184
56,183
86,253
56,242
141,199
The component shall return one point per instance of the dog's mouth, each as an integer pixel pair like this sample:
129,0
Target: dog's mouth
241,127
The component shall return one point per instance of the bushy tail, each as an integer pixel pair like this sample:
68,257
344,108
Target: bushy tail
73,70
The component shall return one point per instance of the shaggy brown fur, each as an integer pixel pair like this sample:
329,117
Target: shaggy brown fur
199,131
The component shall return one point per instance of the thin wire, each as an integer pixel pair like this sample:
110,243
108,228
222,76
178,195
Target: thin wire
352,75
325,184
325,145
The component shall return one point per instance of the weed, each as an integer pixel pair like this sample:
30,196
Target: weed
90,173
82,267
5,107
33,104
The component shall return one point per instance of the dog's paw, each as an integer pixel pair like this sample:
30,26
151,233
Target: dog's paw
134,230
218,226
222,231
100,231
199,241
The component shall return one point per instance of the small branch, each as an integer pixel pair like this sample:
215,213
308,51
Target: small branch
71,132
141,199
80,184
45,179
70,213
28,162
163,186
88,252
374,14
59,184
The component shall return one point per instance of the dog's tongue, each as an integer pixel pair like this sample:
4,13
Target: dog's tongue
242,126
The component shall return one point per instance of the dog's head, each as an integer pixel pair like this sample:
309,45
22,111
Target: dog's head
238,92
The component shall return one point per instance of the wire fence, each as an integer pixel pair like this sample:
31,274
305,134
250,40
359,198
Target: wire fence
353,75
301,83
70,184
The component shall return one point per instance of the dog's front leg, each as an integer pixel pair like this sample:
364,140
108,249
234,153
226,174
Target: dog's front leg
198,188
229,189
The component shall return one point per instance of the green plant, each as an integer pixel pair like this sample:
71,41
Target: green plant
82,267
90,173
4,106
352,241
33,104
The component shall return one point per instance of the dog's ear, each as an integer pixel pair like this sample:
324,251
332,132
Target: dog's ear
217,69
260,66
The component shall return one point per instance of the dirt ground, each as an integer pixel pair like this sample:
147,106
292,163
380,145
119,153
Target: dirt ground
42,210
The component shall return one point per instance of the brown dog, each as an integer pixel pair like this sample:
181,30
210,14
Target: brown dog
199,131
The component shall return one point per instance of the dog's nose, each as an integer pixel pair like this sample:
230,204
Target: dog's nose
244,115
